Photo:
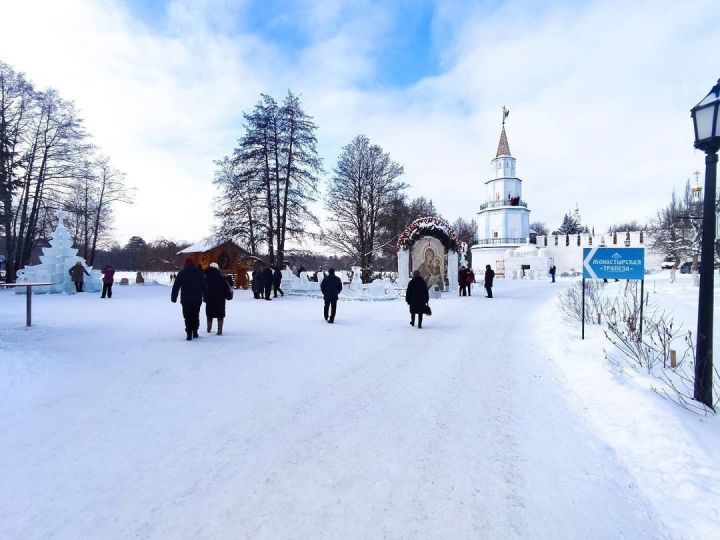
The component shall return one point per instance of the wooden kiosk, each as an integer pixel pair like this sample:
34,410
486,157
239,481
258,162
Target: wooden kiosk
231,258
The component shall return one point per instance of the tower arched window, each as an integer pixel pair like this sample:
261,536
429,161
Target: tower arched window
589,240
545,240
578,240
556,240
642,239
567,239
614,238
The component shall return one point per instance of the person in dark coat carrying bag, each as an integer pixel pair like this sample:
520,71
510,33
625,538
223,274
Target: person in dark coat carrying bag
190,283
218,290
331,288
489,276
417,298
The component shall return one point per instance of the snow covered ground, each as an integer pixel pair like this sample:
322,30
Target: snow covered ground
113,426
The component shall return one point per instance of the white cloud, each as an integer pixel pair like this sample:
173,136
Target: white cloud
599,94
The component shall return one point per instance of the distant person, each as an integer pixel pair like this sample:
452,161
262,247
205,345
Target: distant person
276,281
469,280
108,278
462,281
552,272
417,298
218,290
190,283
489,277
331,288
257,286
267,281
77,274
139,279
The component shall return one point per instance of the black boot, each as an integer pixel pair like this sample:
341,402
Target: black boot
188,333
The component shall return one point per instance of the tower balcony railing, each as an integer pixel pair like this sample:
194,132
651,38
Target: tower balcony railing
503,202
490,241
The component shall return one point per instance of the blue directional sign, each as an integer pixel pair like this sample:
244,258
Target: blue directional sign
614,263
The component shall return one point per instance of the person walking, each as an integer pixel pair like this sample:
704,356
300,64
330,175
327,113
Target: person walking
462,281
489,276
331,288
267,281
218,290
108,278
552,272
469,279
257,286
190,283
77,274
417,298
277,280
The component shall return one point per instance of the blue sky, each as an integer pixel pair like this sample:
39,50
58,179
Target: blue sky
405,54
599,93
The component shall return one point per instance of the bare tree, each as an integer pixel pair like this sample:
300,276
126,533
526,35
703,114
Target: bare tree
42,145
358,195
540,228
677,228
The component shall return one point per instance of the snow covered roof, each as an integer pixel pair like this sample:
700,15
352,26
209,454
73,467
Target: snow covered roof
206,244
503,146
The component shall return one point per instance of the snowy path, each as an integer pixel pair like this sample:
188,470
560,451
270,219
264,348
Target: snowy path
112,426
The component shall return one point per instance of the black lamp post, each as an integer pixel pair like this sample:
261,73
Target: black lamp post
707,139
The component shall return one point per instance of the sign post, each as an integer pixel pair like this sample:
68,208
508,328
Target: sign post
614,263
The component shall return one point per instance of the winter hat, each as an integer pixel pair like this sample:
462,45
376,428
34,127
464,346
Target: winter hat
214,265
189,260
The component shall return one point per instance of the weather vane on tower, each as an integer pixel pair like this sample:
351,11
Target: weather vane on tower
505,114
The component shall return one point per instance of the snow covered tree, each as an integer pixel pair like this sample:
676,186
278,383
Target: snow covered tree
359,194
570,226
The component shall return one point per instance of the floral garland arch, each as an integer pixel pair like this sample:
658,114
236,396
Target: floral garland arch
429,226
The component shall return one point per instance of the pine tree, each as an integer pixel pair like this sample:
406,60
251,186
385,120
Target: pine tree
570,226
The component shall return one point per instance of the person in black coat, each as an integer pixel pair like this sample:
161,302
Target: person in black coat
417,297
489,276
217,293
331,288
552,272
190,283
267,281
276,281
257,285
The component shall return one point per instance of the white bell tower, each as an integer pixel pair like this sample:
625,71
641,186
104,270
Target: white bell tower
504,218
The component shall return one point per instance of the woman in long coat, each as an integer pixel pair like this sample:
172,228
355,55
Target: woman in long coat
217,291
417,297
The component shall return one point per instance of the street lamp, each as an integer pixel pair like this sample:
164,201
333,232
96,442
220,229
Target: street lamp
707,139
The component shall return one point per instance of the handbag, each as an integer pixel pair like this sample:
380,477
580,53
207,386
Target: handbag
426,310
228,291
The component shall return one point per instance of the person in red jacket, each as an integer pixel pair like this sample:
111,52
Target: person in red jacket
462,281
469,280
108,277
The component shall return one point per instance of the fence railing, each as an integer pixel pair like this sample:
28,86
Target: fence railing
504,202
503,241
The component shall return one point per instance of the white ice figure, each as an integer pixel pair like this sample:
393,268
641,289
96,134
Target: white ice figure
356,284
55,263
